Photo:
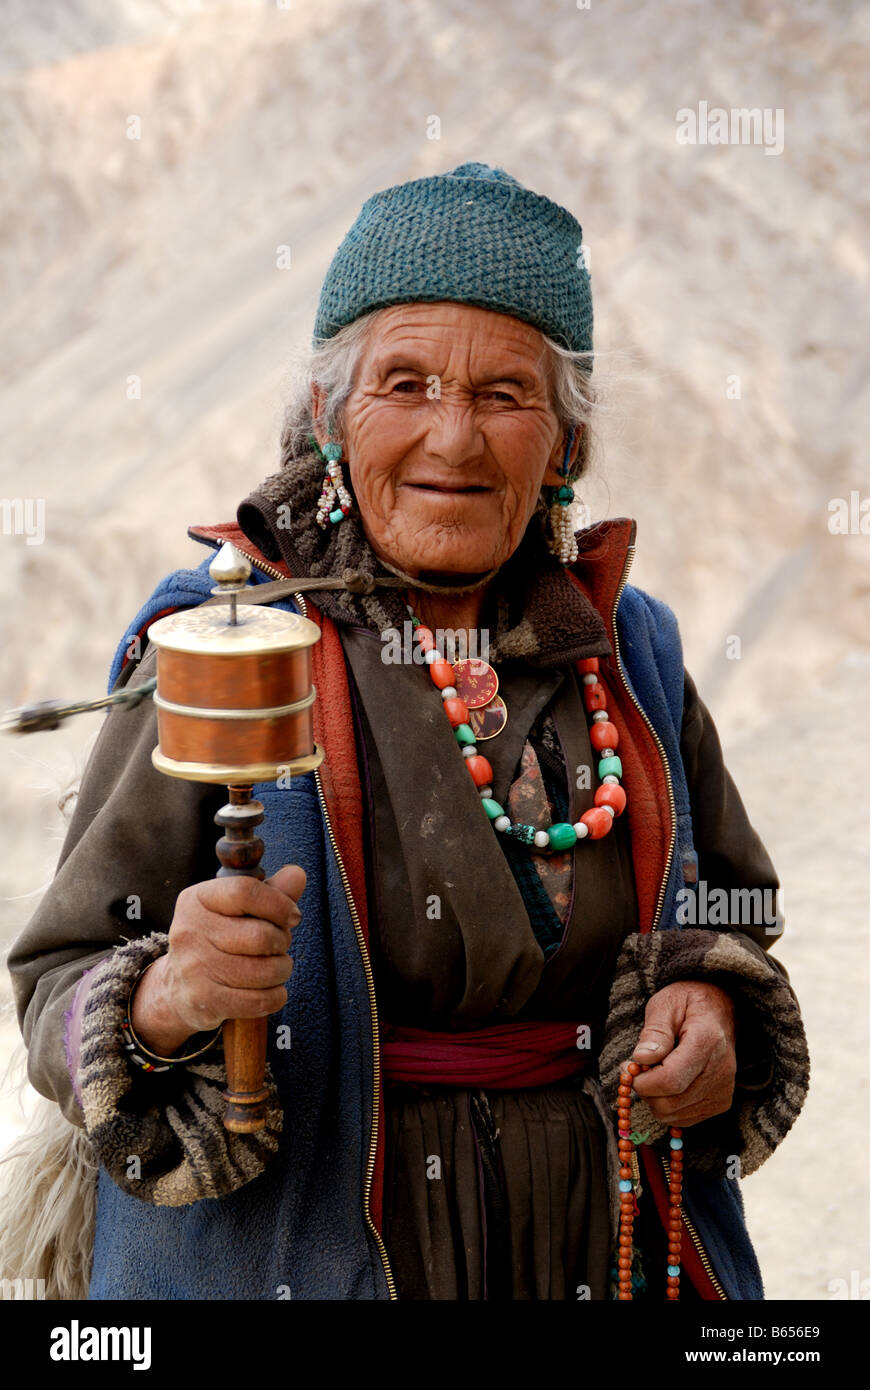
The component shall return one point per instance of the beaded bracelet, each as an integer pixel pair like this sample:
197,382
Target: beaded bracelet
136,1050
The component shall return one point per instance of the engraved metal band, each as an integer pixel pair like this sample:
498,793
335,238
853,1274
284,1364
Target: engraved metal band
199,712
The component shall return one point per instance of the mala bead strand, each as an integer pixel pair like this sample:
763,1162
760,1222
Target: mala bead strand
628,1207
609,799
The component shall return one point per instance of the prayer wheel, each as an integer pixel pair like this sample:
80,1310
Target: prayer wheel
234,705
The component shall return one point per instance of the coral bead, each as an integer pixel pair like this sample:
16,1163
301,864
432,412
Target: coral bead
598,822
425,638
603,735
588,665
480,769
442,673
611,795
457,712
594,696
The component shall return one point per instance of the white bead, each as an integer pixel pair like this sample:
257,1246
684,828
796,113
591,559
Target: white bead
484,791
582,829
590,678
542,839
433,656
606,753
469,750
502,823
449,692
610,780
600,716
605,807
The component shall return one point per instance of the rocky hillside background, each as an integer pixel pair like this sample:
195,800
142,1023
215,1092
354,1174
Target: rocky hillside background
730,296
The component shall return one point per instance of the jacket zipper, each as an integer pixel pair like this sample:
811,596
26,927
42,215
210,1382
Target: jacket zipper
376,1089
696,1241
370,983
629,559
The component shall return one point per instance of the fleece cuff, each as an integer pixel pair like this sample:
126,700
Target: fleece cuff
160,1136
737,1142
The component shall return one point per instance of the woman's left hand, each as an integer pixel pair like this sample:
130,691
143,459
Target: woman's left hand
688,1040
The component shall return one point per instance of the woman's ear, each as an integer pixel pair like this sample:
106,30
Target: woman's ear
553,476
318,399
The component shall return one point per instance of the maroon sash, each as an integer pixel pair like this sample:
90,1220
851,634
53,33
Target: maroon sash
507,1056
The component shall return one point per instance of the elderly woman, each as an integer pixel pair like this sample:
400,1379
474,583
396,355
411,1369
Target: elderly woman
492,883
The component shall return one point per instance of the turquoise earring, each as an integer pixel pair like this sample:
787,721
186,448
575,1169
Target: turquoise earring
335,500
561,540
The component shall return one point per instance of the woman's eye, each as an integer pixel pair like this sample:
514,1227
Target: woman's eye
406,387
504,396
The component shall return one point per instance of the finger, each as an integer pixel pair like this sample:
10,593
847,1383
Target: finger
714,1081
227,1003
242,896
241,972
678,1110
679,1069
691,1115
242,936
663,1018
290,879
654,1043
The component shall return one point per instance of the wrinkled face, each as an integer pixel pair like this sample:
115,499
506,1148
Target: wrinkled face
449,436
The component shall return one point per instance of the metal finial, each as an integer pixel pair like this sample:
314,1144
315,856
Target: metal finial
231,571
230,566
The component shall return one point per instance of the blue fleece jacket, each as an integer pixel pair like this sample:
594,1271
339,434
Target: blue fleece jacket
299,1231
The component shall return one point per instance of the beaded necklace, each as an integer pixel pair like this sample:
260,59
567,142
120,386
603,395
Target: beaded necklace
610,801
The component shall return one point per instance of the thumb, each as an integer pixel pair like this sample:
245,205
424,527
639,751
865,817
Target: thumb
657,1035
289,879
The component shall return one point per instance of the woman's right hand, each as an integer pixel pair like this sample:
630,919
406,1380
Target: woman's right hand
227,958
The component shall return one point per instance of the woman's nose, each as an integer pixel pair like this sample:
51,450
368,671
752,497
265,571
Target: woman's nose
453,432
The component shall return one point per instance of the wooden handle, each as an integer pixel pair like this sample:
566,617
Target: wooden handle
246,1096
240,851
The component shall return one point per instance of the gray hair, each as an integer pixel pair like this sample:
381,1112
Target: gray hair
332,364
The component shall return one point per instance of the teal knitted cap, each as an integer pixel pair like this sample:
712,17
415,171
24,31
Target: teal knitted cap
473,235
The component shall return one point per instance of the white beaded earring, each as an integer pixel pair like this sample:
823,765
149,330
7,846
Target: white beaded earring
563,514
335,500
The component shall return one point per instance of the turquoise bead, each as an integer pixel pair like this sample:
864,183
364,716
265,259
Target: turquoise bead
337,515
676,1143
524,833
332,452
673,1269
612,765
562,835
491,807
565,495
624,1185
464,734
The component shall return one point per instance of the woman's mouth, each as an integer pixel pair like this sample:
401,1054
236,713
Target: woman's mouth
448,489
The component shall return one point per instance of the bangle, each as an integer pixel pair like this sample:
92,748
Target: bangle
139,1053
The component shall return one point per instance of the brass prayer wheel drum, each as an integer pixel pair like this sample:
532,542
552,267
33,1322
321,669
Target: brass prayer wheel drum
234,700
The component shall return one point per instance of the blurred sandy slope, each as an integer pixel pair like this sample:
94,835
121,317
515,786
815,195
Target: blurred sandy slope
263,127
